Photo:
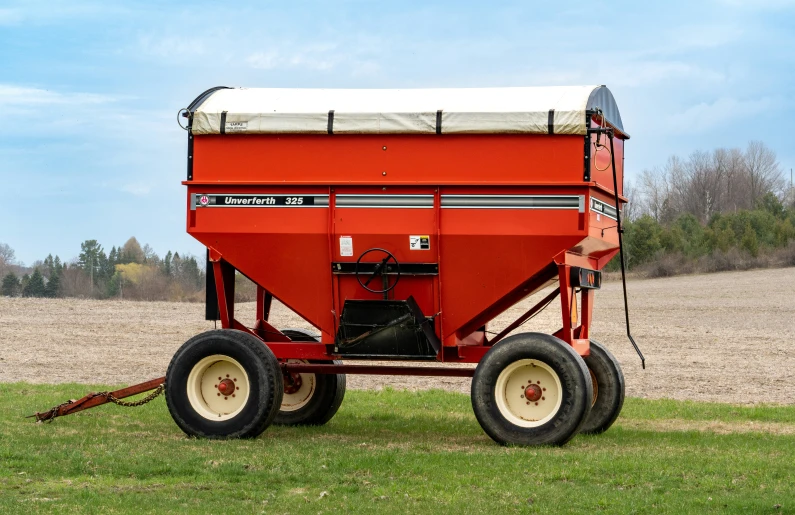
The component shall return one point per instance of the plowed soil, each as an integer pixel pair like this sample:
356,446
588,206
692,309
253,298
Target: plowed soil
720,337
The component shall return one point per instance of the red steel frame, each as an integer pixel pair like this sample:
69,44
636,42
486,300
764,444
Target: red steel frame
591,245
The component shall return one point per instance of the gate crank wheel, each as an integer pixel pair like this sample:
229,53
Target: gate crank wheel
380,269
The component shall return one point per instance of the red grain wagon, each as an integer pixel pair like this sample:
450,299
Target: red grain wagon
399,223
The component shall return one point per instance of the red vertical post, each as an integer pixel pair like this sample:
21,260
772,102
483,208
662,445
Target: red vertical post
564,272
224,287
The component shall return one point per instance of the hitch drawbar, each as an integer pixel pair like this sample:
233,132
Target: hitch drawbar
97,399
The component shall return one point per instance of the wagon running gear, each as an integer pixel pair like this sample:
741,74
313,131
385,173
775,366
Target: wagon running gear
210,371
608,389
531,389
309,399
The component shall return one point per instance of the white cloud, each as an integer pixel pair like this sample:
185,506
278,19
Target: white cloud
172,47
319,57
704,116
758,5
136,188
642,72
11,95
10,16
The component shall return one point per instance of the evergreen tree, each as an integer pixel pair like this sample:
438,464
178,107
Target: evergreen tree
106,269
49,265
24,282
35,286
57,266
167,264
53,286
10,286
88,260
191,273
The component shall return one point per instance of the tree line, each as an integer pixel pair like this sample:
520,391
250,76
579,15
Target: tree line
129,271
721,210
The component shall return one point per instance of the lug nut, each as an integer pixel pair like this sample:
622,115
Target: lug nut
536,404
219,395
225,398
543,398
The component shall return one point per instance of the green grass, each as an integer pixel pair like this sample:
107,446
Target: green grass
391,452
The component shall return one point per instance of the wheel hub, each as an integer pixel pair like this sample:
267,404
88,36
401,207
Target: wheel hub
226,387
532,393
292,382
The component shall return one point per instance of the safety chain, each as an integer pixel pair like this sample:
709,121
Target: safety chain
157,391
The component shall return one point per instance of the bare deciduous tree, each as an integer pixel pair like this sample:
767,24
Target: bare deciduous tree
710,183
763,171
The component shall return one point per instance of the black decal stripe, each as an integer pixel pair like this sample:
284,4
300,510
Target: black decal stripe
223,122
551,122
439,121
260,200
331,122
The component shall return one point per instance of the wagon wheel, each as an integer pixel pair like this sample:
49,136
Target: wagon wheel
223,384
531,389
380,270
309,399
608,387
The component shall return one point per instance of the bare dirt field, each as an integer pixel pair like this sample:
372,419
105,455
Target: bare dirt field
720,337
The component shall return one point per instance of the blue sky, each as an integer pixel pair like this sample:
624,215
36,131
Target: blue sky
89,91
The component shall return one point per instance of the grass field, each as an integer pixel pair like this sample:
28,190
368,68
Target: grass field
394,452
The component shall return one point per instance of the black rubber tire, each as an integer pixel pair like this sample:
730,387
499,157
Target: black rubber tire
265,378
608,389
328,396
560,357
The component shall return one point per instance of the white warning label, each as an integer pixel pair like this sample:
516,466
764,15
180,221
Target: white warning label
346,246
420,242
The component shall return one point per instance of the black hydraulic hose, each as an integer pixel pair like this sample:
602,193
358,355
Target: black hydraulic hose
620,229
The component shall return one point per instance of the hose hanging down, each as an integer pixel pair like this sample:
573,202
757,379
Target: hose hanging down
610,133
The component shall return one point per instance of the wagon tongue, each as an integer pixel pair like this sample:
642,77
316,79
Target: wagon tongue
97,399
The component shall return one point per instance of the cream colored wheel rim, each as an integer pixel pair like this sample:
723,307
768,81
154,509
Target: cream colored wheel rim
204,394
295,400
595,387
514,381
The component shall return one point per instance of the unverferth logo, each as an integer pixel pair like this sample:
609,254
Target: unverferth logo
204,200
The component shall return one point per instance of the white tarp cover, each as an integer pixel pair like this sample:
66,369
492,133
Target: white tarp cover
399,111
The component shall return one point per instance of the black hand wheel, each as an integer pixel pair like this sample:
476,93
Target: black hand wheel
380,269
